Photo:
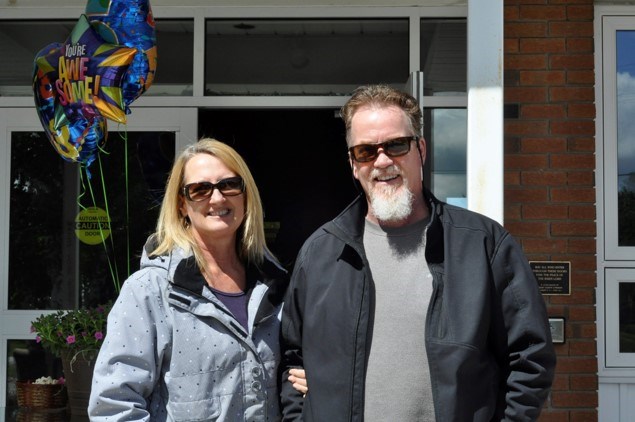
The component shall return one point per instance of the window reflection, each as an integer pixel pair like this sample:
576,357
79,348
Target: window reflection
444,56
24,39
626,137
627,317
446,137
175,62
20,41
49,266
304,57
28,361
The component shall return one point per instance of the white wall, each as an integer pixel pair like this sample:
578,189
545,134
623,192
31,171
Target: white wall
259,3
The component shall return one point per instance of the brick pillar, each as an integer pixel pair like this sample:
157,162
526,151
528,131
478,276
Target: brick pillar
549,175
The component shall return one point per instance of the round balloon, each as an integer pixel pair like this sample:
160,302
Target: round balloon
76,86
129,23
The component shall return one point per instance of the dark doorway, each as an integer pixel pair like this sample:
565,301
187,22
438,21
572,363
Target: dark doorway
299,160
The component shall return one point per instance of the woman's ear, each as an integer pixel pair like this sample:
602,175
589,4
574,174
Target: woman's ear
182,208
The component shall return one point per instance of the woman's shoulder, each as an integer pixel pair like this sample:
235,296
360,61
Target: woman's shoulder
147,281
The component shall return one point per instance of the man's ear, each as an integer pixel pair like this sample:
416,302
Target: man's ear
352,164
422,148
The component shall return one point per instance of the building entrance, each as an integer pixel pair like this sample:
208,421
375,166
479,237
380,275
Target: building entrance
299,160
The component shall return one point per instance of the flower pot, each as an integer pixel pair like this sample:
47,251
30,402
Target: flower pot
78,372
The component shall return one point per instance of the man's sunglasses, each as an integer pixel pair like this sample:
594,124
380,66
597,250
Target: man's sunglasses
396,147
200,191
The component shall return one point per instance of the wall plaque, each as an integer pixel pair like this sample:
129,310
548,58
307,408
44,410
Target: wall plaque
554,277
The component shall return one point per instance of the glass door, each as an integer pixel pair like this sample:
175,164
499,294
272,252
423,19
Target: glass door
51,254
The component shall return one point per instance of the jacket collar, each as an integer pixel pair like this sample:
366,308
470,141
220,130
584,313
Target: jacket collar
182,272
349,225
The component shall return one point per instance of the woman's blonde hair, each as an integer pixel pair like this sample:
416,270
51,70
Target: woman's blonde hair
173,229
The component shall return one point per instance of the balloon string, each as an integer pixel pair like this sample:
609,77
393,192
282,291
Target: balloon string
82,190
112,267
124,136
112,241
102,150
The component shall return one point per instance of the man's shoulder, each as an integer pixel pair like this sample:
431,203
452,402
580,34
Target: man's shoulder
323,233
461,217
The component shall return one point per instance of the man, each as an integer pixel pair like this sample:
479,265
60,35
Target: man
404,308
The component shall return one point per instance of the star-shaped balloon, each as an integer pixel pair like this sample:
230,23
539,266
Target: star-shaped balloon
76,86
129,23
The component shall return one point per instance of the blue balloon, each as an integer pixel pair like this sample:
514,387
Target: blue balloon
129,23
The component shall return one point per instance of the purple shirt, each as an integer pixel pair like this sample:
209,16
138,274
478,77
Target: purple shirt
236,303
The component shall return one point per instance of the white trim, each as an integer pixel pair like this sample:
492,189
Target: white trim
16,324
612,262
415,42
200,13
10,121
199,57
485,30
613,278
599,192
262,12
610,25
264,101
485,108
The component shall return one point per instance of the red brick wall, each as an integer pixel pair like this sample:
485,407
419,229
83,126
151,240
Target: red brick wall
549,175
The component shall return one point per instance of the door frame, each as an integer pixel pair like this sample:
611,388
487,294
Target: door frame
16,324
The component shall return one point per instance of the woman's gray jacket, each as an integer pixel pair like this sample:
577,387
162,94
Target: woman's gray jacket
173,352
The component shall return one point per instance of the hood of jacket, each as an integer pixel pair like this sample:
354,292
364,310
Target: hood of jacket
183,273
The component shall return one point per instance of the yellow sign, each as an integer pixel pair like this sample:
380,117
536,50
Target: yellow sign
92,226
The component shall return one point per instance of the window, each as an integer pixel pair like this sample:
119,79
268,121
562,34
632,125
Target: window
615,47
57,259
304,57
444,56
20,41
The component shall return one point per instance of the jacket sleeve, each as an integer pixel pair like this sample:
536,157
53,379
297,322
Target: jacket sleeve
129,362
292,401
530,354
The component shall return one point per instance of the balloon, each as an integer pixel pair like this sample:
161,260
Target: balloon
76,86
129,23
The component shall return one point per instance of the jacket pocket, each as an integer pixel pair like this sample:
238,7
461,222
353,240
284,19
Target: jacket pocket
202,410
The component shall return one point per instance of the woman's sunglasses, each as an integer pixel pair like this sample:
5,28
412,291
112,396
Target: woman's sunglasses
396,147
200,191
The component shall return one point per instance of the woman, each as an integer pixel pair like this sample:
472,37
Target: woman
193,334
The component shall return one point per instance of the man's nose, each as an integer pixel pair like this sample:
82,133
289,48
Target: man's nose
382,159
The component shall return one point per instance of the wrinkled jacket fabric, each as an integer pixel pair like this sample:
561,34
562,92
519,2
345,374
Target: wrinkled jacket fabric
173,352
486,331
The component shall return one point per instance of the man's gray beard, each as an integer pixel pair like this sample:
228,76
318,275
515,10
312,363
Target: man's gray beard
391,204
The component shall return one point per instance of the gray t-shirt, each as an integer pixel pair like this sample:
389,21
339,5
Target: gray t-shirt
398,377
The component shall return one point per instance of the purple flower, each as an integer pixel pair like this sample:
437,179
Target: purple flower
70,339
32,329
99,335
84,333
38,339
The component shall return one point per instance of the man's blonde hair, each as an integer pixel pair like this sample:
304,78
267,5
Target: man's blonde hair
380,96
